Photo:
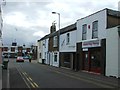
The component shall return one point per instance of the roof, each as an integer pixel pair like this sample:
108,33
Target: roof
109,12
63,30
113,13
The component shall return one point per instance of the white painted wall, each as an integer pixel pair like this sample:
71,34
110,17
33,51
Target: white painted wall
71,47
51,58
119,54
112,56
40,50
45,49
101,17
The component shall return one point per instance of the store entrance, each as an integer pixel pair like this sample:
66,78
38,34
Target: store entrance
91,60
85,61
95,58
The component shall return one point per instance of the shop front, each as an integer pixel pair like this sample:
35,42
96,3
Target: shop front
91,56
67,60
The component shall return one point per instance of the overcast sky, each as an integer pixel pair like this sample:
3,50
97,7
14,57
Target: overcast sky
26,21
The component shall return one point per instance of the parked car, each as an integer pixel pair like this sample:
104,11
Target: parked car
19,59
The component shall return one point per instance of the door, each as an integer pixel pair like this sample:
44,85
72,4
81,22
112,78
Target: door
85,61
95,58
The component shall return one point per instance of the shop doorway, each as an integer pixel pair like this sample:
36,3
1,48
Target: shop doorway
92,60
86,61
95,58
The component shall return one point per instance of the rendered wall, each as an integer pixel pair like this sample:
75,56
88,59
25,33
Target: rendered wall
112,52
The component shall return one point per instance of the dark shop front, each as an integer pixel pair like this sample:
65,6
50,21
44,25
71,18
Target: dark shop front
92,56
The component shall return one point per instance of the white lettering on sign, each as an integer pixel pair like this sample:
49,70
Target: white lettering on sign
94,43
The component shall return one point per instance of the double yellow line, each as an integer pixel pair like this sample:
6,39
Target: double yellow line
29,79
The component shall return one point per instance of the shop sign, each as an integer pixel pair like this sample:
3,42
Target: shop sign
94,43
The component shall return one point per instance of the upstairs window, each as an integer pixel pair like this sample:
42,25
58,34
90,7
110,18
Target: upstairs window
84,31
95,29
55,41
68,38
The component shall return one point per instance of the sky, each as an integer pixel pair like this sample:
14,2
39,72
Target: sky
26,21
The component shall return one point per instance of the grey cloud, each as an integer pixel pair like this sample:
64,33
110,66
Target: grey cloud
21,35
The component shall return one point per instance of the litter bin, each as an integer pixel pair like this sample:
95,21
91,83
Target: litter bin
5,65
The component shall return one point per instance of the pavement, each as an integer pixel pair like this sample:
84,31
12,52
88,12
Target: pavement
112,81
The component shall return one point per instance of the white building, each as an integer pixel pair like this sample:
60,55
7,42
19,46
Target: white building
91,40
113,52
68,46
39,51
43,55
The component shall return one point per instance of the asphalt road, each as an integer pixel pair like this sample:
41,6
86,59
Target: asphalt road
35,75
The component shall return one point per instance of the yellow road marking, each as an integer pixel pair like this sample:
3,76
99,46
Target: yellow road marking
36,84
27,79
32,85
23,73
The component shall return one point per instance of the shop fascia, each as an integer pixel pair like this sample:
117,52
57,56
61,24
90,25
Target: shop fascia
91,43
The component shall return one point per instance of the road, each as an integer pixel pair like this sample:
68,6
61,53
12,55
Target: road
35,75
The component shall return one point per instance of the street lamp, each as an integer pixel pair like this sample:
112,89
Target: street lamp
58,24
58,32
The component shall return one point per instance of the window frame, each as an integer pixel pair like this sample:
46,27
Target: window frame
84,32
68,38
55,39
95,29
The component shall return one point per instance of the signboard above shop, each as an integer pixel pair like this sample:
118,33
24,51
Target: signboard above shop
91,43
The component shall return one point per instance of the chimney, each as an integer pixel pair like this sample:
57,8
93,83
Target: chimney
53,27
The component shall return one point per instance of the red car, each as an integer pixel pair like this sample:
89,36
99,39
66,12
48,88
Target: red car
19,59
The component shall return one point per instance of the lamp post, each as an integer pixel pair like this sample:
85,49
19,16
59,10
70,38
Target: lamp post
58,33
58,23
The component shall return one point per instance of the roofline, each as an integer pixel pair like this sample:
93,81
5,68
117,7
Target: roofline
95,13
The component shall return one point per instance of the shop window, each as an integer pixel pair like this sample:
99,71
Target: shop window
95,29
55,41
84,31
68,38
55,57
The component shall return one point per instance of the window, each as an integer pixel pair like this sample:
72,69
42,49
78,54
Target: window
95,29
68,38
84,31
55,57
55,41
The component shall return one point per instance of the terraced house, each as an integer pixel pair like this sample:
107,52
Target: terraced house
84,45
68,46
